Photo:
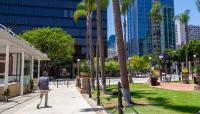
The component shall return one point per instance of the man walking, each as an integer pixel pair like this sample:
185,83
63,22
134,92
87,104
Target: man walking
43,85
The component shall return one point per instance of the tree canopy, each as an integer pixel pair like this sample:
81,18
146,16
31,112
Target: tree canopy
55,42
112,66
178,54
139,63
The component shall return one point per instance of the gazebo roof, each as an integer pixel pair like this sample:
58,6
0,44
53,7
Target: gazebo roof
18,45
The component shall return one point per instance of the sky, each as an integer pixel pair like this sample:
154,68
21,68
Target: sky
180,6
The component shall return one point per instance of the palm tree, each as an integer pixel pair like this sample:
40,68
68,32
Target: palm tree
101,4
121,51
125,4
85,8
156,18
184,18
198,4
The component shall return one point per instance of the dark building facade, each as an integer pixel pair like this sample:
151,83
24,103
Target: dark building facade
22,15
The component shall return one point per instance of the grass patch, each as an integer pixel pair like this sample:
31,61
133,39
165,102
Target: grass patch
150,100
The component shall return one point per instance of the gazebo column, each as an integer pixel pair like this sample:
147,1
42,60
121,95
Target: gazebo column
6,67
22,76
32,67
38,69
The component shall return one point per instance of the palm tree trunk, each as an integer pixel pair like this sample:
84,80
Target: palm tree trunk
121,51
101,46
125,45
157,39
91,50
97,59
87,41
186,49
126,51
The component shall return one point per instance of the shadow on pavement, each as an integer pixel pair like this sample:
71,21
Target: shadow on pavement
90,109
46,107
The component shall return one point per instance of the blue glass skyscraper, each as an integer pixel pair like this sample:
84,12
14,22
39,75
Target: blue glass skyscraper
139,27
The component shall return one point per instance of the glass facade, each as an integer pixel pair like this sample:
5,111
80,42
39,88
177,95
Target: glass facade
139,27
21,15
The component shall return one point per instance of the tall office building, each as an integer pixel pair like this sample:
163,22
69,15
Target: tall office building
21,15
140,32
112,46
194,32
180,33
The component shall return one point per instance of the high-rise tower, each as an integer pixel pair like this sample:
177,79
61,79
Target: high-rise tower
140,36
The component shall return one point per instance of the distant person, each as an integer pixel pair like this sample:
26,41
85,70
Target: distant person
43,85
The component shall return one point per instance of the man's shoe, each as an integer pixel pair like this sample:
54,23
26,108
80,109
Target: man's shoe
38,106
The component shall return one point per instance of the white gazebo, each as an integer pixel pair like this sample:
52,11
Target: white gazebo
16,50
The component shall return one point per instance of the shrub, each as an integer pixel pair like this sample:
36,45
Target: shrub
6,94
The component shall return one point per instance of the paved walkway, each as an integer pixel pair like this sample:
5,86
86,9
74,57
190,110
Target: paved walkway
177,86
62,100
14,102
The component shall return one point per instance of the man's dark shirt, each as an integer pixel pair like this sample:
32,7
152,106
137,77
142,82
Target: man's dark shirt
43,83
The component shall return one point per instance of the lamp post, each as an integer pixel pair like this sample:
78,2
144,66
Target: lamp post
150,65
129,70
98,89
194,60
78,61
129,65
78,74
194,67
159,69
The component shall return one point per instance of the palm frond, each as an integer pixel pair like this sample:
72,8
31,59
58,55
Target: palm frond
183,17
79,13
82,6
125,4
155,14
104,4
198,5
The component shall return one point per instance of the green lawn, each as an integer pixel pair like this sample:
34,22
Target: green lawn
151,100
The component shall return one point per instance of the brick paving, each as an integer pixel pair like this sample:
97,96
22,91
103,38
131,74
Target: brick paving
177,86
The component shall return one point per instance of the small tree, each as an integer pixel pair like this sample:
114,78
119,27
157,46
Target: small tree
139,64
111,66
55,42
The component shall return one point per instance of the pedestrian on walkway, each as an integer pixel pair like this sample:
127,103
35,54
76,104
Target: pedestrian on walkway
43,85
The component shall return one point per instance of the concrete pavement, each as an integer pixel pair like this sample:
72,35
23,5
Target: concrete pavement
62,100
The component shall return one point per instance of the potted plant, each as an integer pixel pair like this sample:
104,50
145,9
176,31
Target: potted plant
6,94
185,75
84,69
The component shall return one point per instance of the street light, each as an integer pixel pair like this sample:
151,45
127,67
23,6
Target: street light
160,74
129,64
150,63
195,60
78,74
160,56
78,61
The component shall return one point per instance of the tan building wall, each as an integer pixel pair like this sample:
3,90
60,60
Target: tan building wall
15,89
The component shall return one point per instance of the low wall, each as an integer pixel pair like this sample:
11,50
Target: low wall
15,89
